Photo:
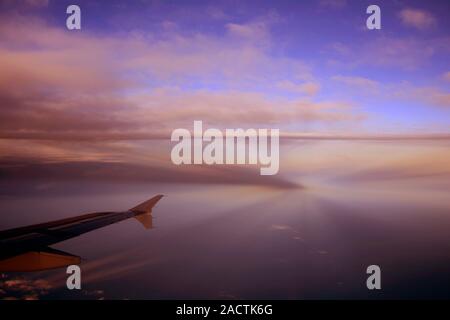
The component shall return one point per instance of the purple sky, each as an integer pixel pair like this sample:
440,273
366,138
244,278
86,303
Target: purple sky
266,56
138,70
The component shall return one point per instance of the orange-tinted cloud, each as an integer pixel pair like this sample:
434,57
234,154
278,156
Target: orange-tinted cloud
419,19
56,84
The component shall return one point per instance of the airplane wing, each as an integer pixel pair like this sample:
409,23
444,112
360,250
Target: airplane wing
27,248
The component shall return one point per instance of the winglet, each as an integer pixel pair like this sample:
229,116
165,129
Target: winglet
146,220
144,210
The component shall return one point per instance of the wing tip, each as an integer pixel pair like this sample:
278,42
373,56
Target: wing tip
146,206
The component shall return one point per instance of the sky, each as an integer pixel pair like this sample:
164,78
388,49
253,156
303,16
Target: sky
116,89
141,66
364,116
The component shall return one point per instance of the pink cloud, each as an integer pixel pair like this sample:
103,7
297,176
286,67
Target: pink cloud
416,18
408,53
307,88
405,91
446,76
333,3
56,85
359,82
37,3
432,96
